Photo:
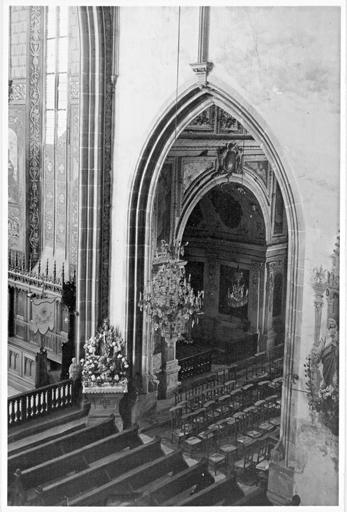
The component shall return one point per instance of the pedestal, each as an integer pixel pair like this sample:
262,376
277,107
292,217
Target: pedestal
281,484
104,402
168,379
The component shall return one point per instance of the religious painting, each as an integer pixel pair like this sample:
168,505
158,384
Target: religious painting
16,178
233,282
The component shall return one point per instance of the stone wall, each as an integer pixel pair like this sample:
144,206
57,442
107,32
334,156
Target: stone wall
282,63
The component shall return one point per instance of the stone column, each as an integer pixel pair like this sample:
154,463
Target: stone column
267,339
255,287
168,378
319,285
272,268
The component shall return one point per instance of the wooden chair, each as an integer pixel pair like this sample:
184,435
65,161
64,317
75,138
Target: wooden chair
199,420
251,416
229,386
223,406
247,395
208,438
232,371
262,463
271,407
209,407
260,362
250,366
235,401
192,444
230,428
176,414
276,368
230,450
240,422
216,459
245,467
263,389
220,376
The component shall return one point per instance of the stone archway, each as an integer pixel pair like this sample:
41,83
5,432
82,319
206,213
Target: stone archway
190,104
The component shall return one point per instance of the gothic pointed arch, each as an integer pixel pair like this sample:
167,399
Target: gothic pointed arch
174,120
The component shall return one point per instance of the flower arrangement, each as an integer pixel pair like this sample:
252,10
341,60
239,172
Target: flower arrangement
322,399
171,302
105,363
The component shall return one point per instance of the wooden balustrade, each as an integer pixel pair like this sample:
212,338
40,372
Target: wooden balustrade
195,363
39,402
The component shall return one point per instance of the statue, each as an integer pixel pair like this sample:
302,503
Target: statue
329,356
75,371
321,371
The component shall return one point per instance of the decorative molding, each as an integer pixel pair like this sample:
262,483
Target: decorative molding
34,133
260,168
202,67
18,92
202,70
228,124
204,121
107,165
74,89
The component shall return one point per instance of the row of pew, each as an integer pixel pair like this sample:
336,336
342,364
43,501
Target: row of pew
253,369
99,466
233,420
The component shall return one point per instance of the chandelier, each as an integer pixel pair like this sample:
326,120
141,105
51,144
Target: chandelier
237,295
170,301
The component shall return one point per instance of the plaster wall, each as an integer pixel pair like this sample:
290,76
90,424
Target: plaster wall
284,63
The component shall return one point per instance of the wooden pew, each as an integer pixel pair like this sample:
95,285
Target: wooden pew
38,442
171,486
71,486
224,492
65,444
129,482
81,458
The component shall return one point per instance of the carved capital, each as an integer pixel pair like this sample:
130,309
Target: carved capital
202,70
319,280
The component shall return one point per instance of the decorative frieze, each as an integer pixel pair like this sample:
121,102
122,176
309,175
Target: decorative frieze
204,121
228,124
18,92
34,133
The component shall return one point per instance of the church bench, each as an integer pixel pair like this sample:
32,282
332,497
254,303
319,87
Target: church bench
79,459
129,482
173,485
224,492
56,447
38,442
71,486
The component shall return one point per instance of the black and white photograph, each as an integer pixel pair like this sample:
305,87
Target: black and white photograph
173,264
